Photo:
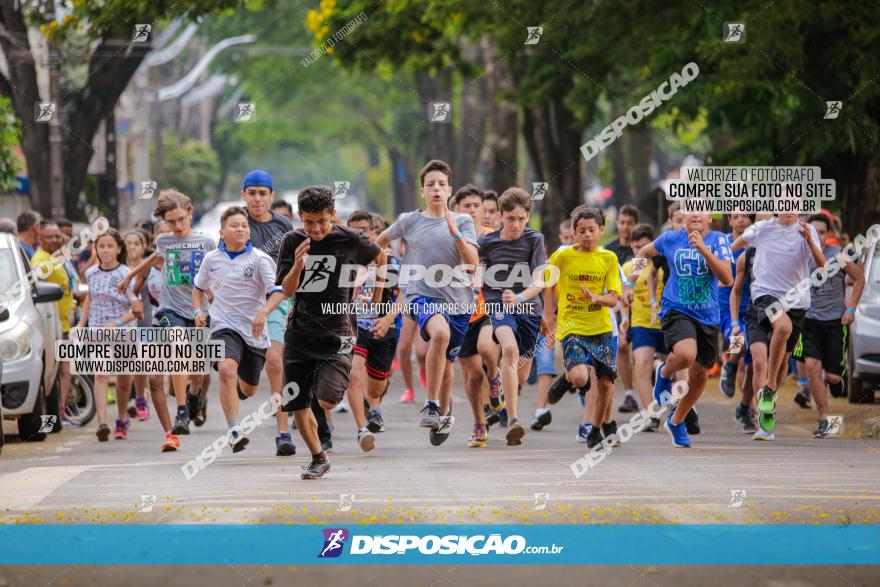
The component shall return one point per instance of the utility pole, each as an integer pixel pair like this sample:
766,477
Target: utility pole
56,139
112,182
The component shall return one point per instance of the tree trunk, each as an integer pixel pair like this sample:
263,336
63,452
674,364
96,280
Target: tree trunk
439,136
619,180
470,134
503,121
641,145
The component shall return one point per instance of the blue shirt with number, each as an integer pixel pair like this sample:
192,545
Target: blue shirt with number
692,288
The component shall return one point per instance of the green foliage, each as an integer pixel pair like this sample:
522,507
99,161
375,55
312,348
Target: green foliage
9,136
191,167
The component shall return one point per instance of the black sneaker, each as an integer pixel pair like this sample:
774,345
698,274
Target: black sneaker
430,416
181,423
326,445
193,405
543,420
609,429
284,446
559,388
374,422
628,406
727,381
692,422
594,438
316,469
802,398
822,430
103,433
237,440
491,417
653,425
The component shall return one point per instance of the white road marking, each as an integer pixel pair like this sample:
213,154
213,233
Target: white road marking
25,489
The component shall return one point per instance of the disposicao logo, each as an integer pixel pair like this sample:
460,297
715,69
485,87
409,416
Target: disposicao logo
334,541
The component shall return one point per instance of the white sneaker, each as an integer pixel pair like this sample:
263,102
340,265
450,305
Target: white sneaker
763,435
340,408
366,440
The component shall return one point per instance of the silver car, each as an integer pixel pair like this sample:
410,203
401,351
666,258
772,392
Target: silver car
29,327
863,354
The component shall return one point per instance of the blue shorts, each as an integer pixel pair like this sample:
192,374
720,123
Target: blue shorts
544,361
653,337
525,329
727,327
599,351
458,323
276,323
171,319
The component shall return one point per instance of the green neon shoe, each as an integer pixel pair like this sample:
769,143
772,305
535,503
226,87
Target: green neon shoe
766,401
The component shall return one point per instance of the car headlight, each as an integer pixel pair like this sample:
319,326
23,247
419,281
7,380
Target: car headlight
871,311
15,343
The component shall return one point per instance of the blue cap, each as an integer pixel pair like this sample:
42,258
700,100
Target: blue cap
257,177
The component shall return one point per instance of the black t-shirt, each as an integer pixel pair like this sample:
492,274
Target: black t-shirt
267,236
312,332
624,252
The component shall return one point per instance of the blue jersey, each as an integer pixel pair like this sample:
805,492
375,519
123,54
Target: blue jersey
724,292
692,288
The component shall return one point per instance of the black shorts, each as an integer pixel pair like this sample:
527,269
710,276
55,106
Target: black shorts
677,327
250,360
825,340
378,352
759,329
325,379
469,344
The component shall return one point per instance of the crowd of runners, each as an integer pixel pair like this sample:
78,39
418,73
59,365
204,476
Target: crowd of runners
650,307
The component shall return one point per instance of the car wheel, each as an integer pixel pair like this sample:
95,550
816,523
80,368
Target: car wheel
29,425
858,390
80,405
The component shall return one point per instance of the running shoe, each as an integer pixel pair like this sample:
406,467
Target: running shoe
802,398
237,440
284,446
653,425
132,408
193,405
430,416
326,445
316,469
558,389
609,429
542,419
481,434
439,436
727,383
142,408
111,399
763,435
171,444
766,400
662,391
203,411
103,433
502,418
366,440
692,422
822,430
492,418
678,432
583,432
374,421
496,399
181,423
423,378
629,405
340,408
767,422
408,396
121,429
745,420
594,437
715,371
515,433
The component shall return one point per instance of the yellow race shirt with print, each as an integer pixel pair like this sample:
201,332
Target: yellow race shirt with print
58,276
598,271
640,312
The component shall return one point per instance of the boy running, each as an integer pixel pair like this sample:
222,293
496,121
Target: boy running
437,238
727,382
241,277
698,259
318,341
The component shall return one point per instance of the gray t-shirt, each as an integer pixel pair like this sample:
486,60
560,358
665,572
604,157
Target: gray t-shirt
183,257
267,236
429,245
829,299
519,259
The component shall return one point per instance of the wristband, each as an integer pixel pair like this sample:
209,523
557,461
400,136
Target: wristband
851,310
653,302
630,284
522,298
119,322
457,236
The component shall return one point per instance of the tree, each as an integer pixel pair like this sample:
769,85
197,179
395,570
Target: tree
9,133
193,168
112,59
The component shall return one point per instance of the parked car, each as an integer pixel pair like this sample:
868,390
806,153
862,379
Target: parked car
863,354
29,327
